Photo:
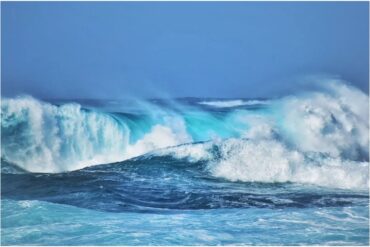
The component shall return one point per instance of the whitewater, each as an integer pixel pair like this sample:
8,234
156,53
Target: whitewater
210,171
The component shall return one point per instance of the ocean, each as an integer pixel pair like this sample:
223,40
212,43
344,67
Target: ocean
292,170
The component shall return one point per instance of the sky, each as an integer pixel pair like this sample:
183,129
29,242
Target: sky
114,50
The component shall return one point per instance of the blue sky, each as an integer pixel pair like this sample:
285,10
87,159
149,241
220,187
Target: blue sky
200,49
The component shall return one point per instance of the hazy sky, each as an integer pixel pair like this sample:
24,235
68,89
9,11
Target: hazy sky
209,49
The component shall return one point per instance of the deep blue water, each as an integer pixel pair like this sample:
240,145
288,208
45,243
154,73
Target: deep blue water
188,171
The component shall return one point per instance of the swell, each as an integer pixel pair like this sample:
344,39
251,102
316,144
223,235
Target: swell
301,138
165,184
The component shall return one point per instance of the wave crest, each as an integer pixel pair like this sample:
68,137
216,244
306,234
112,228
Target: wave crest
233,103
40,137
271,161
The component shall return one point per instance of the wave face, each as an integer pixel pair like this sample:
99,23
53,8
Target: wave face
40,137
319,137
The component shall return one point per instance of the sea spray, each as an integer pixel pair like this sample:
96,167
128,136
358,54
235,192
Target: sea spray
303,138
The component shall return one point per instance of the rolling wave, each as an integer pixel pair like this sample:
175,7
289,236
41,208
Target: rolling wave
270,161
318,137
40,137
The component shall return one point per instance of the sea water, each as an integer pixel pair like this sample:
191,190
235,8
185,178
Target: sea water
191,171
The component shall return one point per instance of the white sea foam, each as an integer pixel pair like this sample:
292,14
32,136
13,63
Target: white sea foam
41,137
334,121
160,137
232,103
271,161
317,138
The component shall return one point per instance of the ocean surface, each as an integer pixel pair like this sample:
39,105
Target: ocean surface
292,170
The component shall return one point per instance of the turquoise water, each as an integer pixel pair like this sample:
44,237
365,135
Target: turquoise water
39,223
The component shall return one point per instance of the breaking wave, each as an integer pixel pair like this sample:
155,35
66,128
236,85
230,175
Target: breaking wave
271,161
40,137
319,137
